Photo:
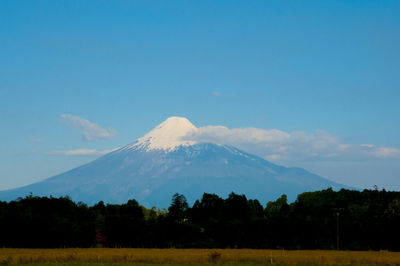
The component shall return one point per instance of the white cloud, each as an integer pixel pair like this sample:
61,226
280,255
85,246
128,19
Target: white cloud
80,152
238,135
278,145
91,131
216,93
385,152
343,147
368,145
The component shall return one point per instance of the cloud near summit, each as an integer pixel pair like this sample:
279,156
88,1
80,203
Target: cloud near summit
90,130
278,145
81,152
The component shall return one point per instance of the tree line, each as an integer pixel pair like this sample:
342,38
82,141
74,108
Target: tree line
356,220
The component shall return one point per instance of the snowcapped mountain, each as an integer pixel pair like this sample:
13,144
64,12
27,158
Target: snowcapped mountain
162,163
166,136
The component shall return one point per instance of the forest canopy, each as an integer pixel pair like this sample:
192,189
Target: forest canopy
327,219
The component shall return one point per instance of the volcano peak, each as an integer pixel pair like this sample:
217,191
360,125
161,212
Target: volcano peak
166,136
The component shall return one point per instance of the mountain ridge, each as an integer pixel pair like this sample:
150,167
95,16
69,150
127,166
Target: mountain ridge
161,163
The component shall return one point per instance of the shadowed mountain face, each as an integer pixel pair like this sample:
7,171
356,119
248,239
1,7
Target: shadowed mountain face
151,174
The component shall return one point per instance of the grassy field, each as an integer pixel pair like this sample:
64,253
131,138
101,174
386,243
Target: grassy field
106,256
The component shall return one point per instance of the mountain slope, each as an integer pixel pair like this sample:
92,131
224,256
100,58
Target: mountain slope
160,164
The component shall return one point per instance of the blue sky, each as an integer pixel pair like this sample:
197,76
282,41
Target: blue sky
322,72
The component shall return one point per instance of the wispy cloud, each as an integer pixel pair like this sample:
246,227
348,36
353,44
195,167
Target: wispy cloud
216,93
368,145
259,120
35,139
385,152
90,130
80,152
278,145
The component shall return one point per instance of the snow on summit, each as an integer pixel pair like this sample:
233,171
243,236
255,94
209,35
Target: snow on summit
166,136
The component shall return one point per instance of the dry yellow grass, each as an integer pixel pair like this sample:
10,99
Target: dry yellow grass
195,256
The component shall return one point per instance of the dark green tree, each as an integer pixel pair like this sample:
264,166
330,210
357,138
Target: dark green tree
178,209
